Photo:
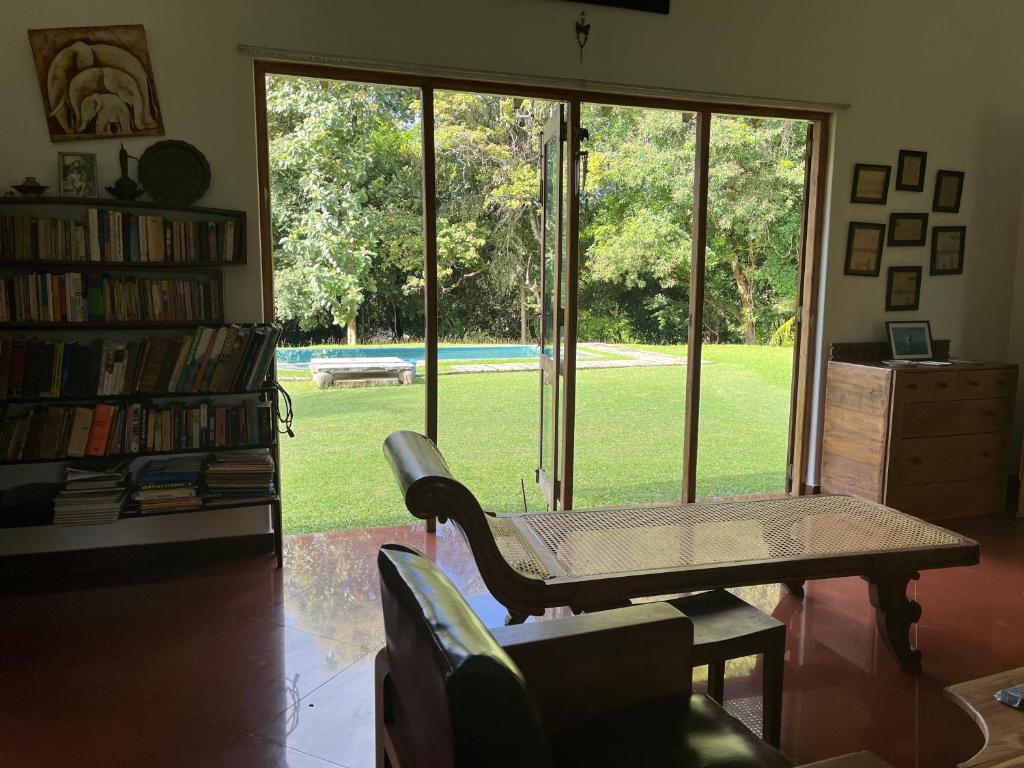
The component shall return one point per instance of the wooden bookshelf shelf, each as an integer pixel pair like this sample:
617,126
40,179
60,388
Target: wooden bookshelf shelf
204,267
110,202
141,455
110,326
136,397
134,514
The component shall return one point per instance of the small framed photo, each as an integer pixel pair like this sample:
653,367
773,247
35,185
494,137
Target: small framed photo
903,291
948,250
907,229
910,340
949,188
864,249
870,183
910,170
77,174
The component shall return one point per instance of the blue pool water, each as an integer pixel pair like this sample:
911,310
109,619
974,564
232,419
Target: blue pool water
299,357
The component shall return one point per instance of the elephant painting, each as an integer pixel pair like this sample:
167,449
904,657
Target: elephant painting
97,82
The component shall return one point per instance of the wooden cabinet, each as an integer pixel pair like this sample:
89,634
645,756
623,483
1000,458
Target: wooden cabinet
931,442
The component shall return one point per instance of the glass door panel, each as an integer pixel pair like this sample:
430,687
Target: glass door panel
755,227
552,249
636,212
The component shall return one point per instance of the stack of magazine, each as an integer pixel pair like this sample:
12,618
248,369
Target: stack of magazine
93,495
169,485
236,477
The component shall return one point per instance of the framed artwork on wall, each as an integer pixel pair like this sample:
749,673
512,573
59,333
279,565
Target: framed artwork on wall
870,184
910,170
908,229
948,250
864,249
96,82
77,173
910,340
949,188
903,291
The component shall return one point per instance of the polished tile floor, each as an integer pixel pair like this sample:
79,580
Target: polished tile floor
239,664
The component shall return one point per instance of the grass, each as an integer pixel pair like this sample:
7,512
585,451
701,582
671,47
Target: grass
629,437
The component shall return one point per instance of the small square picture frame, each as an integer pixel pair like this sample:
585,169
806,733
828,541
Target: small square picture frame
903,289
77,174
909,339
864,243
870,184
948,247
907,229
949,190
910,170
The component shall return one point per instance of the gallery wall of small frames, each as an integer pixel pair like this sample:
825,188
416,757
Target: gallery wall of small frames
866,240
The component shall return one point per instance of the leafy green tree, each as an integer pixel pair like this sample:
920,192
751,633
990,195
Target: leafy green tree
320,149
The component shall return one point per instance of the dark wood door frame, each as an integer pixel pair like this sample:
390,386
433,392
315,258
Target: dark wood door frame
811,251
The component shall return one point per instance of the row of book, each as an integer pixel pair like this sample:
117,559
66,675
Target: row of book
231,358
119,237
106,429
74,297
105,493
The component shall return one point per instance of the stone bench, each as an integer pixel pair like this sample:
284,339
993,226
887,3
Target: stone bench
361,371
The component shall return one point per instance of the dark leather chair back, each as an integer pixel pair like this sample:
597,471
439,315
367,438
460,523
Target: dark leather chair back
455,697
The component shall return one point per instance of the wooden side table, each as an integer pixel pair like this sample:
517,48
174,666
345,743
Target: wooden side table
1002,726
726,627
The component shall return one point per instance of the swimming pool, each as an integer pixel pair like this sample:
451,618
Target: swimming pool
299,357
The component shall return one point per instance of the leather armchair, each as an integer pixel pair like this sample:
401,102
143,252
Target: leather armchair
605,689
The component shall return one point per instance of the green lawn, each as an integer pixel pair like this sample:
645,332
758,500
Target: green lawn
628,437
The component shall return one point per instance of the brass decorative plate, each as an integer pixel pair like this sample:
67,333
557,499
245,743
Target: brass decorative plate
174,172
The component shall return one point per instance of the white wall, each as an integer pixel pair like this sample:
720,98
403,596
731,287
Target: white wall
939,75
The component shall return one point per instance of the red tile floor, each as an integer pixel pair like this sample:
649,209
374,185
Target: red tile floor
239,664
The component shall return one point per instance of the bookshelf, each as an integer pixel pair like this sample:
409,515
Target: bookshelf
174,257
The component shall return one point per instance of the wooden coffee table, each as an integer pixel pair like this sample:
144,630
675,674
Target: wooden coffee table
594,559
1002,726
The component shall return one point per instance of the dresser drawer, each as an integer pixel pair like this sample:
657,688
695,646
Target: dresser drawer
930,385
955,417
1001,382
923,460
939,501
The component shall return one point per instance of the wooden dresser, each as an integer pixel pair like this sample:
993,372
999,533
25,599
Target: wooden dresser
928,441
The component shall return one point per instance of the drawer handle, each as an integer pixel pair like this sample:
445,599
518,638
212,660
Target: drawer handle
912,385
914,460
943,385
974,382
991,414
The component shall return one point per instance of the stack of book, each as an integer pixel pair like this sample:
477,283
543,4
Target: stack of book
234,478
169,485
118,236
112,429
231,358
76,297
92,495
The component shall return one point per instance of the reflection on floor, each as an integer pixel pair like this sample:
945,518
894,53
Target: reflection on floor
239,664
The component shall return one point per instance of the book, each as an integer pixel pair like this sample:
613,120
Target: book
99,430
80,428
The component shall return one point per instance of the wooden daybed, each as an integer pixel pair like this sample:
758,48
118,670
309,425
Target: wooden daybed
596,559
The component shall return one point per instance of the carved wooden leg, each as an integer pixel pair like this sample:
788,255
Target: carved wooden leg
894,614
795,587
514,618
